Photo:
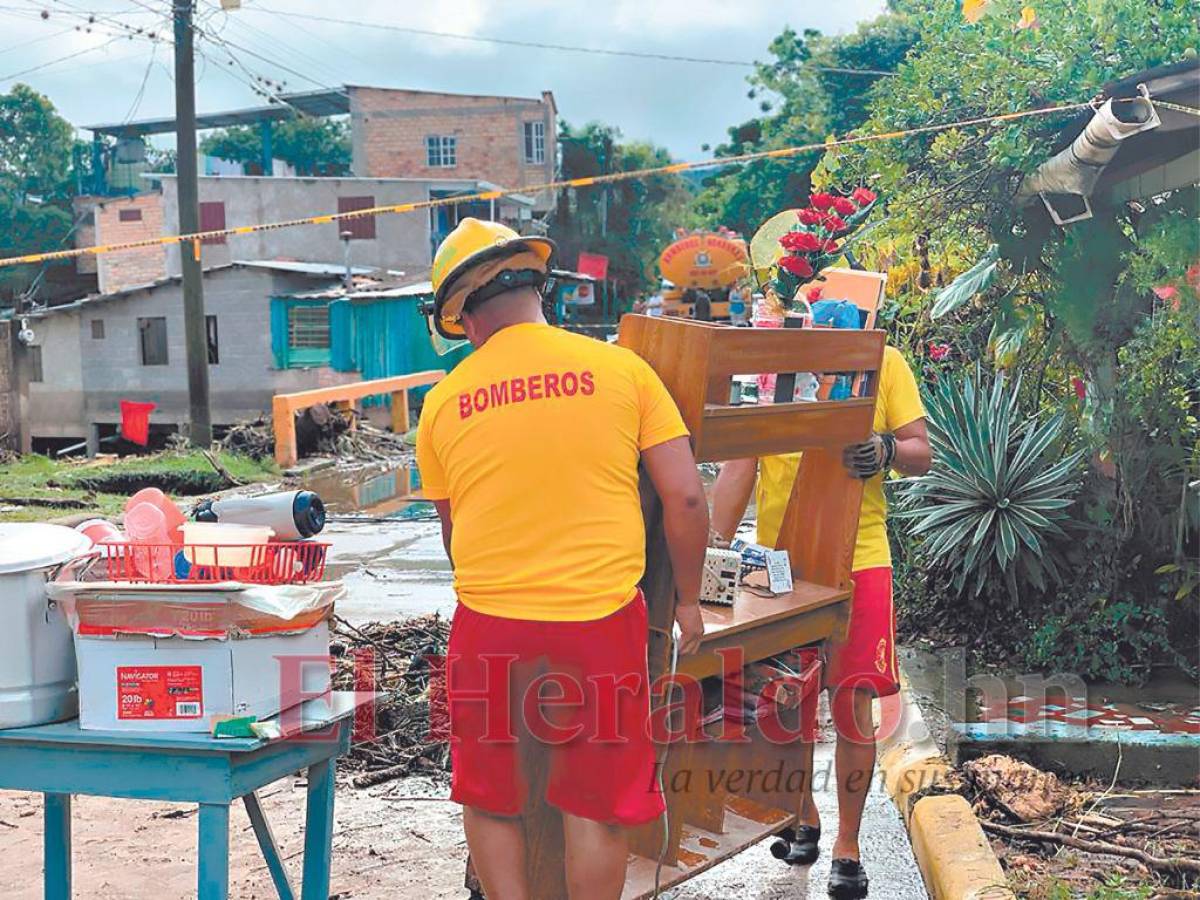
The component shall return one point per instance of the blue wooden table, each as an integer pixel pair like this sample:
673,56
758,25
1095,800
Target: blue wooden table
60,760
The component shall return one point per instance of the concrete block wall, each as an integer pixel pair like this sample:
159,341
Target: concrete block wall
401,241
389,128
87,375
84,210
10,423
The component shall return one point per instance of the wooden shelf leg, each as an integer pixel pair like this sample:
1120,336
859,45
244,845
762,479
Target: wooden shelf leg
318,831
213,869
57,846
270,851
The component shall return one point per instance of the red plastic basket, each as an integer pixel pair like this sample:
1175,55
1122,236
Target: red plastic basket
299,562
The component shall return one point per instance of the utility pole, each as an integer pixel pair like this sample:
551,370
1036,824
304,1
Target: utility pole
195,327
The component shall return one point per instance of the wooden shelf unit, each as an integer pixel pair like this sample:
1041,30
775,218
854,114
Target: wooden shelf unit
697,362
712,821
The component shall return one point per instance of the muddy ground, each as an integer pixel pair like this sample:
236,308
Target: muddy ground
400,841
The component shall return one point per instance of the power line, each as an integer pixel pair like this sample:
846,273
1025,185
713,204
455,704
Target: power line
53,62
260,36
541,45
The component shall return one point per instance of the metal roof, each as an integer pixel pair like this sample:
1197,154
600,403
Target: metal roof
316,270
312,103
303,268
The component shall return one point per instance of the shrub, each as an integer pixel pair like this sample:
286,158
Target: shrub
992,505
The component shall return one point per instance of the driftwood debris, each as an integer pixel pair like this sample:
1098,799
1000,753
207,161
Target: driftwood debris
1172,866
1024,792
408,732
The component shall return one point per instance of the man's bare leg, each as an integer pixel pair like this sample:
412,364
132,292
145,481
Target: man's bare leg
808,814
855,756
597,855
497,845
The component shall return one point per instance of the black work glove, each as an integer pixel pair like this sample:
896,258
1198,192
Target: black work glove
872,456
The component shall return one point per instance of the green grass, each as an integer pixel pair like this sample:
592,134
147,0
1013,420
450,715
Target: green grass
102,488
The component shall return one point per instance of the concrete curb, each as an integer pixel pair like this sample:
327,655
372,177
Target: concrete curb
952,852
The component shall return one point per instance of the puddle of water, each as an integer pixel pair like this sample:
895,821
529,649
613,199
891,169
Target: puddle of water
1059,721
392,492
386,544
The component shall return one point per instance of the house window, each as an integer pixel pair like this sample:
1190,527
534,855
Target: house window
212,218
35,363
535,142
308,334
129,215
97,329
441,152
210,334
361,228
152,337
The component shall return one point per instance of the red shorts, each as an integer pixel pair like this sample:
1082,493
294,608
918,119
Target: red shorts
579,689
866,659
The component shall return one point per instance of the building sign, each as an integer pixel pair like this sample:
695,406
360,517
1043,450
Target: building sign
593,264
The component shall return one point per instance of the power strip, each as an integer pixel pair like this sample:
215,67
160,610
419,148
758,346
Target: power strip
722,576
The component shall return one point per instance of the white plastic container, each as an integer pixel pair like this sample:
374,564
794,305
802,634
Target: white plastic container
37,659
222,544
140,683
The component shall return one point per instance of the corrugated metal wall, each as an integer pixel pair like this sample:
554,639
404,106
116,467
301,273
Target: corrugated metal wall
380,338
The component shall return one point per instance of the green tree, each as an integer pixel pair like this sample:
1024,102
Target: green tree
631,221
311,145
36,147
811,88
1075,307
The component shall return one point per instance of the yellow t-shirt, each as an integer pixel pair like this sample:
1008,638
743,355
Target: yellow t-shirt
897,404
535,440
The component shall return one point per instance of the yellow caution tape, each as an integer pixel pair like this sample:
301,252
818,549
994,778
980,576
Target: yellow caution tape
610,178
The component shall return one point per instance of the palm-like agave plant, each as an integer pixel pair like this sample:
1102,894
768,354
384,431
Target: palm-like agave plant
992,503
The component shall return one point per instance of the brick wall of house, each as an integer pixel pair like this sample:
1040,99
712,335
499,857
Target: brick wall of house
123,219
390,127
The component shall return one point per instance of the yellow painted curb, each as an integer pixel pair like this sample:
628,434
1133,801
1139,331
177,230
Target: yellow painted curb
952,852
955,857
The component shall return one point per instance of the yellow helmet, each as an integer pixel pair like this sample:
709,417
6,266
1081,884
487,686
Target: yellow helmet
471,243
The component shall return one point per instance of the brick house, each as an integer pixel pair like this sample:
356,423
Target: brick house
511,141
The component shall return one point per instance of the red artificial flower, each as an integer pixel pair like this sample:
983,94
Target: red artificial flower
797,265
938,352
863,196
834,223
844,207
810,216
1192,277
800,241
1080,388
829,245
821,200
814,293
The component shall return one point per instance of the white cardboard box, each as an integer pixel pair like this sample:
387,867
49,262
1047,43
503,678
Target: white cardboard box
135,683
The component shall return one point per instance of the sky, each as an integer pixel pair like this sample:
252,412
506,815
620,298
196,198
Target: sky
680,105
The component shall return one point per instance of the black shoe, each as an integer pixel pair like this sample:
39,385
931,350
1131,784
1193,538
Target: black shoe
798,846
847,880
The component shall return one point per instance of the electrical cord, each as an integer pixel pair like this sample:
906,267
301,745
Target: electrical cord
676,634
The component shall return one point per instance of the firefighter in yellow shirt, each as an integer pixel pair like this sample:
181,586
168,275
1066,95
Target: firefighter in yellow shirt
530,449
863,666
